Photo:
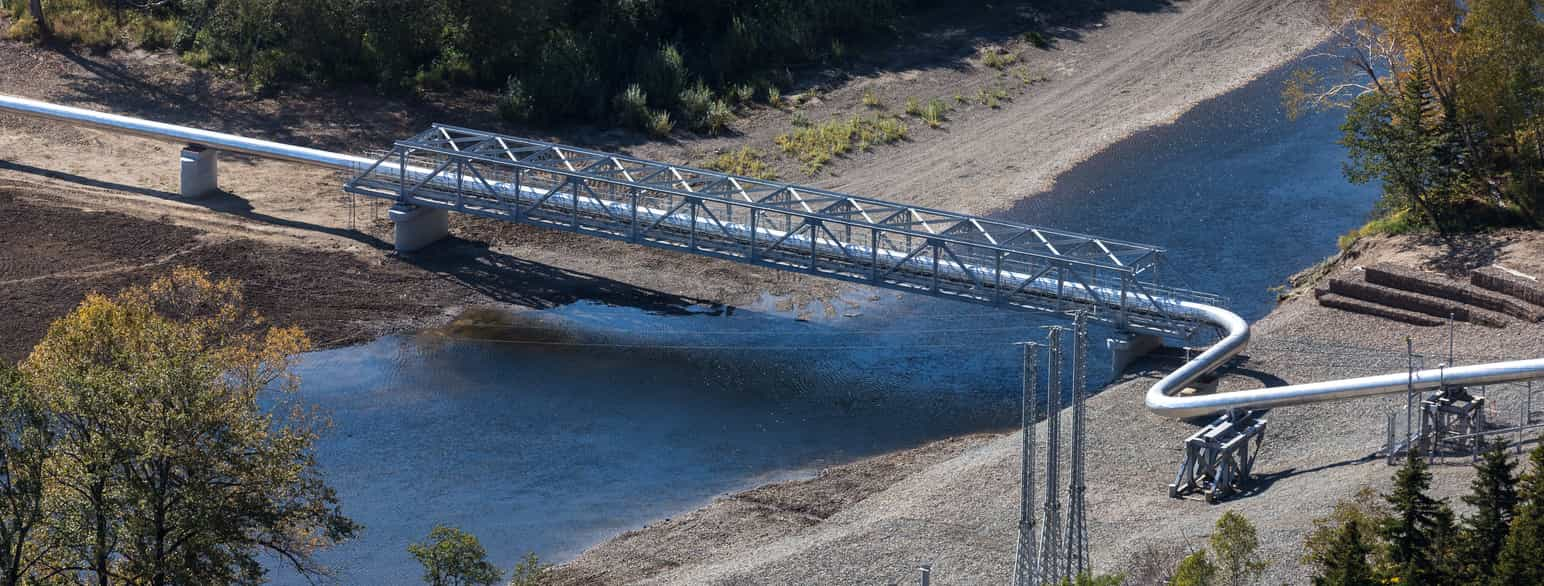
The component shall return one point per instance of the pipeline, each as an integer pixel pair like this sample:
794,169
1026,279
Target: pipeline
1159,398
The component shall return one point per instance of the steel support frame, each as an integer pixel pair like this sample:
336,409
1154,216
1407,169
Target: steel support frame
1219,459
783,226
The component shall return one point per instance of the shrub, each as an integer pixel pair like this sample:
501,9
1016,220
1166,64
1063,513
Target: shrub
871,99
1039,40
514,103
632,107
694,104
452,557
913,107
744,161
660,124
934,112
774,96
997,58
720,115
742,94
663,75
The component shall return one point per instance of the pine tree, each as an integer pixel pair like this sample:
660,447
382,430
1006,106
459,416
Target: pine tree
1414,531
1346,564
1494,500
1519,560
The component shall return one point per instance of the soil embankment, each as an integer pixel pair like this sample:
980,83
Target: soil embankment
954,503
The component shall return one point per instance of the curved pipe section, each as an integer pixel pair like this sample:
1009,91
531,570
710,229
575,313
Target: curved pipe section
1160,399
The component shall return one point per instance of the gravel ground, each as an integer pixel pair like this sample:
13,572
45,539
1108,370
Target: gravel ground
954,503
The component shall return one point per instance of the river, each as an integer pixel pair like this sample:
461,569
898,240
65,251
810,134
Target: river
552,443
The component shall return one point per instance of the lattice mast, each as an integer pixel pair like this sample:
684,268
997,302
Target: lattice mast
1051,542
1077,524
1025,571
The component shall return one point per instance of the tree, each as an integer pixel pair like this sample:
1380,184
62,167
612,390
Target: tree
25,443
1366,512
1238,550
528,572
1419,527
1345,562
1519,559
452,557
168,469
1195,570
35,9
1494,499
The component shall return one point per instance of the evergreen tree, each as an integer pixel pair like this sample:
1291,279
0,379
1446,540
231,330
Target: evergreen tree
1494,500
1346,562
1520,554
1195,570
1415,530
1238,550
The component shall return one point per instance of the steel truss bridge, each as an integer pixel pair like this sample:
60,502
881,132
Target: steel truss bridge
783,226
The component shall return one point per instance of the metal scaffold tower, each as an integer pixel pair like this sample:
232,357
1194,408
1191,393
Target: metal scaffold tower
1045,555
1024,570
1077,523
1051,542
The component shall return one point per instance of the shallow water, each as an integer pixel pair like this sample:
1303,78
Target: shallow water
556,442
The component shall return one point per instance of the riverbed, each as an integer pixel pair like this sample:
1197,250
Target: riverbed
589,419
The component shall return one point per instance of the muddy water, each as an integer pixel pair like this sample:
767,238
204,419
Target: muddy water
589,419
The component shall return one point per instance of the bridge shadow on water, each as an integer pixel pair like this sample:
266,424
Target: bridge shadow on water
508,279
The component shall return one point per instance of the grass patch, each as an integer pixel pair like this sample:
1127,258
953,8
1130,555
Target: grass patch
1039,40
817,144
934,112
94,24
871,99
1397,222
746,162
997,58
913,107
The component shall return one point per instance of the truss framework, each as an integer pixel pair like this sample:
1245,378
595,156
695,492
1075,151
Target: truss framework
783,226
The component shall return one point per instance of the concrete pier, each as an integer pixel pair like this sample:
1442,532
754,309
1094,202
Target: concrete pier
418,226
1126,348
200,171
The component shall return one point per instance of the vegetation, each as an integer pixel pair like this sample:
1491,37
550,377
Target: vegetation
744,161
1195,570
1410,538
452,557
1237,549
556,59
1445,107
528,572
1237,562
871,100
997,58
817,144
135,450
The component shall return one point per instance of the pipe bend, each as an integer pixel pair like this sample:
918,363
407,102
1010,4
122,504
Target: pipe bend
1160,400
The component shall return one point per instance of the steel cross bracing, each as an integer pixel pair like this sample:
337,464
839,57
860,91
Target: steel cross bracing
783,226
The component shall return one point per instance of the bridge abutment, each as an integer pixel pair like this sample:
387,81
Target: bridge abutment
200,171
1126,348
418,226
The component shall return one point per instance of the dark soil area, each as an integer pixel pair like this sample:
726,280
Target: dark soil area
51,258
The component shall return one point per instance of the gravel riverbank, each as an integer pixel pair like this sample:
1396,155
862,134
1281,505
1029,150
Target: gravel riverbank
954,503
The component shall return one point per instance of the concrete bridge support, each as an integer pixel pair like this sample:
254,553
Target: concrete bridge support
200,171
1125,348
418,226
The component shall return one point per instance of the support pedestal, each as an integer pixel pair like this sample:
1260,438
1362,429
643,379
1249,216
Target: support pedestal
1126,348
418,226
200,171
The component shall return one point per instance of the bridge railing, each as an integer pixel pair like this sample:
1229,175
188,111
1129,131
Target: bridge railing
782,226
